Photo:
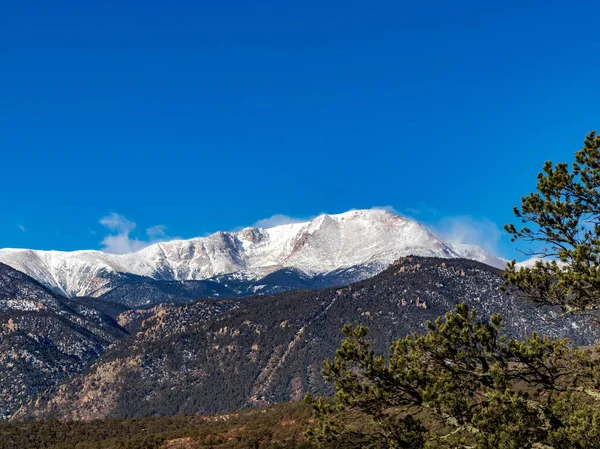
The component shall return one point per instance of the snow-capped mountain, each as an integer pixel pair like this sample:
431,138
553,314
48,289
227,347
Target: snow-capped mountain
360,238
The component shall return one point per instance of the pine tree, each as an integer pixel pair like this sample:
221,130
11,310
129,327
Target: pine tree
461,385
563,219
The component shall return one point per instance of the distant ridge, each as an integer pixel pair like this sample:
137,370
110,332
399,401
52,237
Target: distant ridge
367,239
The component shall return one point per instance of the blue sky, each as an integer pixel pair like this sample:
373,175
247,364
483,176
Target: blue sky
183,118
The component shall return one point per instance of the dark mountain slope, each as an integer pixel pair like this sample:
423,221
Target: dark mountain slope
266,349
146,292
149,292
112,309
44,338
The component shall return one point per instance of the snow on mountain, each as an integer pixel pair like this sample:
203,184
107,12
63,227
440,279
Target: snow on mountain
531,263
327,243
474,252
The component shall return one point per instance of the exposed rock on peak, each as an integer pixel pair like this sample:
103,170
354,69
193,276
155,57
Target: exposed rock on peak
327,243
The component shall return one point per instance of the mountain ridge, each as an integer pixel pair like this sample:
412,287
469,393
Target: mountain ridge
325,244
214,356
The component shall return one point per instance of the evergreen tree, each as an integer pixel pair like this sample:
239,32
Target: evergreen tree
462,385
563,219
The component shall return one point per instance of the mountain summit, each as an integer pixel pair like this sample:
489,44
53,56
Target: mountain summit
366,239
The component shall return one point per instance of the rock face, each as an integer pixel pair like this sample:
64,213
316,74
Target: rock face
44,338
364,240
213,356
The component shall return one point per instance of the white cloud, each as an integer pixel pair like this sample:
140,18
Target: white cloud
466,229
459,229
22,228
120,241
117,223
419,211
390,209
277,220
156,232
122,244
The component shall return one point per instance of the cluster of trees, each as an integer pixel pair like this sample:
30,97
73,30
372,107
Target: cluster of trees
464,385
277,427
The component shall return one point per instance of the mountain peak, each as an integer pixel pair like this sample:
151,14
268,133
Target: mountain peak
365,237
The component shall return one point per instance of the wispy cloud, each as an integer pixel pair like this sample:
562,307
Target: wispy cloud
156,232
117,223
120,240
21,228
390,209
420,211
461,229
277,220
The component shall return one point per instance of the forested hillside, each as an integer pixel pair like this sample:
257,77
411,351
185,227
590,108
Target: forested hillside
218,356
274,427
45,339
